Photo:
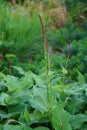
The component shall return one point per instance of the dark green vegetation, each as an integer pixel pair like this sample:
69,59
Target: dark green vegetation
43,86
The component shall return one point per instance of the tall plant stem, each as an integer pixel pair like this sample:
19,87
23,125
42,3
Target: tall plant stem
47,64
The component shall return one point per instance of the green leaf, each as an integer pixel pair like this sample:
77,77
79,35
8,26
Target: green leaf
37,116
81,78
10,56
12,83
4,115
21,119
60,118
27,116
39,99
3,97
38,81
19,69
78,120
16,127
20,95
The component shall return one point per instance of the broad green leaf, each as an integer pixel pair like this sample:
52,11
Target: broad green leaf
60,118
12,83
38,81
37,116
76,97
20,95
27,81
3,97
39,99
4,115
41,128
17,108
16,127
78,120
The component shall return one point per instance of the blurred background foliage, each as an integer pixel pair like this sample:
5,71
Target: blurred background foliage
21,37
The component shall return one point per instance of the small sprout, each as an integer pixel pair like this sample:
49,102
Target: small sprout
64,71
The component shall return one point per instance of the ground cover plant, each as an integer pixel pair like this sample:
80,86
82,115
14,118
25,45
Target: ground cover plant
24,102
43,75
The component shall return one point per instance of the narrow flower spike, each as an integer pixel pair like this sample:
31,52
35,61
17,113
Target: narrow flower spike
44,35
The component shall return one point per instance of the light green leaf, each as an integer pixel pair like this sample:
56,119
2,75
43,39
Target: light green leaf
78,120
16,127
39,99
10,56
4,115
12,83
81,78
38,81
27,116
37,116
17,97
19,69
60,118
3,97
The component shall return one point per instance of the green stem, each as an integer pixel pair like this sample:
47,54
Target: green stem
48,82
46,49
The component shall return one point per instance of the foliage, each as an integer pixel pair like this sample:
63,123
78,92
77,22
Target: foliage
16,36
49,90
78,57
60,118
25,100
59,42
77,9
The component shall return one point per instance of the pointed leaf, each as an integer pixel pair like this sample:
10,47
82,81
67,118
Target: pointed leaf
27,116
81,78
39,99
60,118
19,69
